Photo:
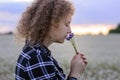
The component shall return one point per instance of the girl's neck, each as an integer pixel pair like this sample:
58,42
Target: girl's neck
47,42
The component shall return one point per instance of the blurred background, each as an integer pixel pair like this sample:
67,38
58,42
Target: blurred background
96,24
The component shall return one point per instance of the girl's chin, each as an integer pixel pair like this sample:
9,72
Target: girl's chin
60,41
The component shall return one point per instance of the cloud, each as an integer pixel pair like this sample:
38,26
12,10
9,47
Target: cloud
2,1
10,14
6,28
8,21
5,16
97,11
13,7
93,29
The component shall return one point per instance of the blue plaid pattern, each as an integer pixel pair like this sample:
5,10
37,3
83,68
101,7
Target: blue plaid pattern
36,63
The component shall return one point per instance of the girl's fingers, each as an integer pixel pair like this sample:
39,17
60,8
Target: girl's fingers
83,57
85,62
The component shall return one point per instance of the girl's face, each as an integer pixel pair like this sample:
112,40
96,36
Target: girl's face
58,34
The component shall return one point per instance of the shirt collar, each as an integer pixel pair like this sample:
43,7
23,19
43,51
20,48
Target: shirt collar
44,49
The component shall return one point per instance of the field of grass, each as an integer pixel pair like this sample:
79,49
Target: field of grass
102,53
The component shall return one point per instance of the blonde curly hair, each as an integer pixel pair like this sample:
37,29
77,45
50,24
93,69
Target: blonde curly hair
38,18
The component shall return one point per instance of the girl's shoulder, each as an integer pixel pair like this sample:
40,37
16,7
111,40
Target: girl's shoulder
30,52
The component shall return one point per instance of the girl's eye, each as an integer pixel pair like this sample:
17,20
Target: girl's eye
67,25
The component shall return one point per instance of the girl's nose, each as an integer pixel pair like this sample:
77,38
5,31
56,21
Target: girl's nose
69,30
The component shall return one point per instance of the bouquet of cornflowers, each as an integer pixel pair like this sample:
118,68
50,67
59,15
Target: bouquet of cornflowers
70,37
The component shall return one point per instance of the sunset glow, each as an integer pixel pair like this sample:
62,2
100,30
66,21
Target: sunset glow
92,29
5,29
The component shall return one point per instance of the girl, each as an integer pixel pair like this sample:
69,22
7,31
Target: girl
43,23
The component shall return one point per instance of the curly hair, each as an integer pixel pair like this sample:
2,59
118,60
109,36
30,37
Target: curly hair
38,18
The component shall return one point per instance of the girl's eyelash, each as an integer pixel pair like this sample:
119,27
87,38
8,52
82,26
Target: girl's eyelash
67,25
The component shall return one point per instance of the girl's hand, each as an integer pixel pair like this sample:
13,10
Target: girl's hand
78,64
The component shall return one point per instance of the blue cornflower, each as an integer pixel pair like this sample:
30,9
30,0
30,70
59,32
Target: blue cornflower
69,36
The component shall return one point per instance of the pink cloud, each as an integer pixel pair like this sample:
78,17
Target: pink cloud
93,29
6,29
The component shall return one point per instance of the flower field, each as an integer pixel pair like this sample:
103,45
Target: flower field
102,54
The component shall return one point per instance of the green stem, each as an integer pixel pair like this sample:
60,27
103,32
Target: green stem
73,44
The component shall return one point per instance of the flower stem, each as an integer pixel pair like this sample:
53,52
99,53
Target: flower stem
73,44
84,74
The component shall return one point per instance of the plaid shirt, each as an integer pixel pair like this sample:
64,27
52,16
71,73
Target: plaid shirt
36,63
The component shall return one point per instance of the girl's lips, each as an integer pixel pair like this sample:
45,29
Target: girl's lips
66,35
